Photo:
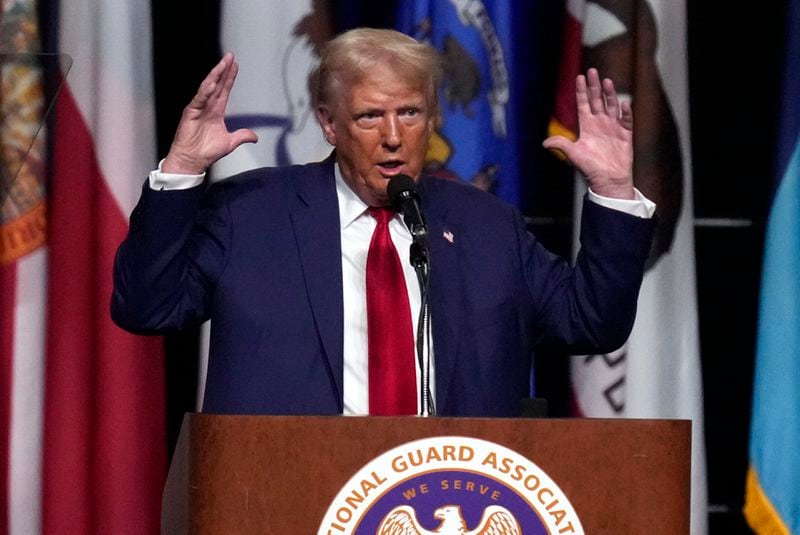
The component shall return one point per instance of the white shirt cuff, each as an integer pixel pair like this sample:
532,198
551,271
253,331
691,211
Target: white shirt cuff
641,206
169,181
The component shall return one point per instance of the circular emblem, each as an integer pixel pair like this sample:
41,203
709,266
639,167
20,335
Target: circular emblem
445,485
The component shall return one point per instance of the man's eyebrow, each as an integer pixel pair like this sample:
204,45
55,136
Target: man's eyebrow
368,109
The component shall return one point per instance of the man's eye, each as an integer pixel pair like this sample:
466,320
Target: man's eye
411,112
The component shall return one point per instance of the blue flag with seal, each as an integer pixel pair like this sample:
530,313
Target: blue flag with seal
477,141
772,502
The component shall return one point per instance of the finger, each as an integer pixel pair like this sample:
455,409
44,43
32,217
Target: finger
561,146
581,96
227,82
218,72
210,83
243,135
222,91
627,115
556,142
204,92
557,145
594,92
227,78
612,102
200,101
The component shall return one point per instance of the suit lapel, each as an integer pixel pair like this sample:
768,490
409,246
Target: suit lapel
315,218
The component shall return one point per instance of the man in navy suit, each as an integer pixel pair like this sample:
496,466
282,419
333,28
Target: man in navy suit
277,256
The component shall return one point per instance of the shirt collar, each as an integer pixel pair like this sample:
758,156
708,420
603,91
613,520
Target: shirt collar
351,207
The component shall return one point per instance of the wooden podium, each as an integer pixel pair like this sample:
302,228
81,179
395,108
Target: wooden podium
276,474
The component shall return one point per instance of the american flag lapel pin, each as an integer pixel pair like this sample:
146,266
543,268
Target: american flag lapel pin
448,236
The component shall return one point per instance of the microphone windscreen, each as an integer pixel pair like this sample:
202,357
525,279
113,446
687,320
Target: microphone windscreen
398,185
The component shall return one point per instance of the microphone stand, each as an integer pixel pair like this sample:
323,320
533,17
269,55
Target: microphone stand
420,261
402,191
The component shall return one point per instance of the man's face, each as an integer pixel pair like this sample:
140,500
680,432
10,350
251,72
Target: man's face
380,127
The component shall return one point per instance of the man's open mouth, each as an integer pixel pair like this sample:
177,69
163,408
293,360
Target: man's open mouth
391,165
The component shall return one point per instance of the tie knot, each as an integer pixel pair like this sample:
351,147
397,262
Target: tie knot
382,214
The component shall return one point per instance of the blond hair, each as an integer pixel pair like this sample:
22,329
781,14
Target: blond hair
348,58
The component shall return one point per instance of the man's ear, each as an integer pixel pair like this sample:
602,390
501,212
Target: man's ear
325,119
434,122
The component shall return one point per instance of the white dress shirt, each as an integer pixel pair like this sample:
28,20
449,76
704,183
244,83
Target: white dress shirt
357,227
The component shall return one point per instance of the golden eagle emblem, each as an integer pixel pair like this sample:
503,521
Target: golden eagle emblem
402,520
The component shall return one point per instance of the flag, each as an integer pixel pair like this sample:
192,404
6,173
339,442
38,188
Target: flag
23,233
641,45
772,502
564,120
276,55
478,139
103,447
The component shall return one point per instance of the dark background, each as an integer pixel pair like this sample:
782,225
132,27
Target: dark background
735,58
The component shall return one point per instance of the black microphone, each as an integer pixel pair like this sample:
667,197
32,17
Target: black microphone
403,194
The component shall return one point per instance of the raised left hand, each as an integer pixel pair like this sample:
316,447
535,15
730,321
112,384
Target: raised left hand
603,151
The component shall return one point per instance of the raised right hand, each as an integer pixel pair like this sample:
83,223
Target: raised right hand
202,137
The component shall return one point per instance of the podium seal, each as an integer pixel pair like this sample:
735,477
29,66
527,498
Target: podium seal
450,484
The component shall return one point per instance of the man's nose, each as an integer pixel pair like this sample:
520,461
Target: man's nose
392,137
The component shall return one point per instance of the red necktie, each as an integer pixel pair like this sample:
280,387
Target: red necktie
392,379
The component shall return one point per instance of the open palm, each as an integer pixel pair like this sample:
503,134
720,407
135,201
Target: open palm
604,150
202,137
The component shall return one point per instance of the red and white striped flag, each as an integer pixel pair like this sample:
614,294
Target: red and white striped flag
92,410
22,268
641,45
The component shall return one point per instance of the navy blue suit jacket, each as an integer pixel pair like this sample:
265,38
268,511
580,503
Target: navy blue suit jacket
260,254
